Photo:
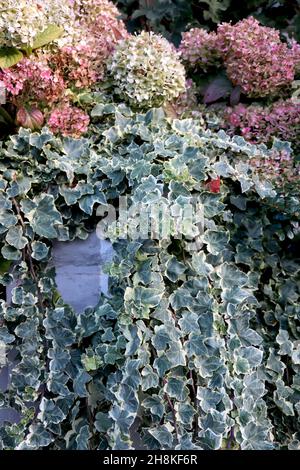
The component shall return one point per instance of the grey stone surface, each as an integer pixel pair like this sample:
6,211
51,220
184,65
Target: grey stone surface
4,378
9,415
79,275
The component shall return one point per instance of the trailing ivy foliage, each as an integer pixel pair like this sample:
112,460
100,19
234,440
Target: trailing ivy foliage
197,345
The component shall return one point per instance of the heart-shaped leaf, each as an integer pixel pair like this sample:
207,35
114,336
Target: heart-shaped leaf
220,87
9,56
49,34
15,237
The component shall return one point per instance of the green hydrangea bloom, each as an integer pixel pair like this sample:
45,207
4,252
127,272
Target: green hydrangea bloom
147,71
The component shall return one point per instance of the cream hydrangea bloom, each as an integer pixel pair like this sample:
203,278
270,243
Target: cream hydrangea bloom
90,10
147,71
22,20
97,23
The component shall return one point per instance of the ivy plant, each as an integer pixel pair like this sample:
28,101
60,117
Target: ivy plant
197,345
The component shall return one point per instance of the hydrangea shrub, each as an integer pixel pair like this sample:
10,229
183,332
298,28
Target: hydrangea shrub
50,79
243,62
254,56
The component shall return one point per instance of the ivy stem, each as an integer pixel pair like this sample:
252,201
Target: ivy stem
231,438
193,384
90,418
28,255
174,416
194,392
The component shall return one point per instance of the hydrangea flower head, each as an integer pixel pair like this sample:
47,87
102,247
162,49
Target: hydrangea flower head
255,57
89,11
32,81
147,71
259,124
22,20
68,120
198,49
78,65
97,29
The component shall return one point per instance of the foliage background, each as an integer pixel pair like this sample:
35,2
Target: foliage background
171,17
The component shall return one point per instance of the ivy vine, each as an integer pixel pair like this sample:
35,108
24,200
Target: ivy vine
197,345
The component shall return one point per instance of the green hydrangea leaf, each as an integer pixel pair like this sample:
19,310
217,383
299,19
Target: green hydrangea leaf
9,56
50,34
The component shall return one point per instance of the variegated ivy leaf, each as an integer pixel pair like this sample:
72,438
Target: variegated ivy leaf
39,250
163,435
44,216
141,299
50,412
174,269
216,240
176,388
7,218
256,437
149,378
11,253
15,237
231,276
5,336
185,413
200,265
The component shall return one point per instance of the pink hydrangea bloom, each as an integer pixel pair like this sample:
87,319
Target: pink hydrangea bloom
32,81
82,59
279,168
256,58
101,20
259,124
198,49
76,64
68,120
296,52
